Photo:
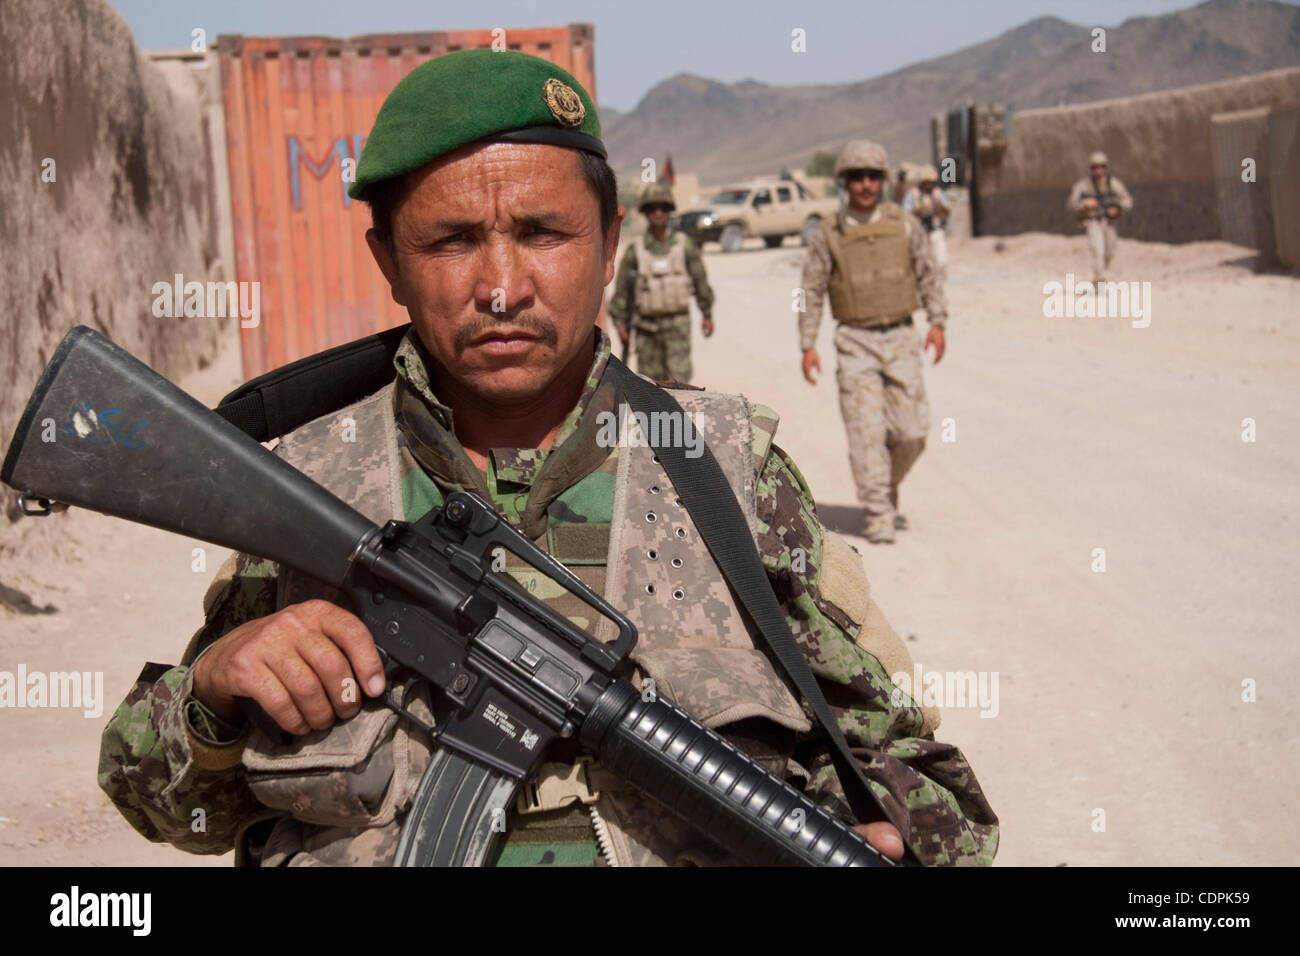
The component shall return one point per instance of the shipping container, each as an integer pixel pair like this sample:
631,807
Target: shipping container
297,113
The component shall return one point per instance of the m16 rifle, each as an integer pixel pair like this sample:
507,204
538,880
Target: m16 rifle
509,675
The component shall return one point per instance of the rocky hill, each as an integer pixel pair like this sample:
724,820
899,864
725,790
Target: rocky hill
729,130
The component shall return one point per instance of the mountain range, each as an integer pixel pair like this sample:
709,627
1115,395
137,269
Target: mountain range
725,131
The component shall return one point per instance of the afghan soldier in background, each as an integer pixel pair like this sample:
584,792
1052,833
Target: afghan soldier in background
652,292
875,263
927,203
1099,199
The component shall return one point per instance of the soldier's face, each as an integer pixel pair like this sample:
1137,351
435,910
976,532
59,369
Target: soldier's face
1098,171
501,263
864,186
657,216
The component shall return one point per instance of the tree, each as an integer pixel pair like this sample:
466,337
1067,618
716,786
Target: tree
821,164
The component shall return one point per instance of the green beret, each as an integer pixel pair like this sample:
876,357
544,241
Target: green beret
472,96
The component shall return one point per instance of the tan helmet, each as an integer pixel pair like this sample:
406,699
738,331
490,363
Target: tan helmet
657,193
1098,159
927,174
861,154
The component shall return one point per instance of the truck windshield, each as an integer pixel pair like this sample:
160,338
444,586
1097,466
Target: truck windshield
730,197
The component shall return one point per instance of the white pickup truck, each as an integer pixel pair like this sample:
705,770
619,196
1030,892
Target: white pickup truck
770,208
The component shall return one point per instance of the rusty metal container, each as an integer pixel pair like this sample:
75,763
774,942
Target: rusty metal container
297,109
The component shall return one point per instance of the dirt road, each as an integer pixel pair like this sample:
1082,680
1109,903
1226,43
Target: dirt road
1120,735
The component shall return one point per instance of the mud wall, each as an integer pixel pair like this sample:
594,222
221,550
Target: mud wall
106,189
1159,144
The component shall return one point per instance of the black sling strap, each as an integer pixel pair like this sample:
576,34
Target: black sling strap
276,403
708,497
279,401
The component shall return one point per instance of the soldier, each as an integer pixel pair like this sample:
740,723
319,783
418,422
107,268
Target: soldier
485,173
655,280
1099,199
874,262
927,203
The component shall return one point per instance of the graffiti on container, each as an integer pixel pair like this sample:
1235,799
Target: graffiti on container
299,157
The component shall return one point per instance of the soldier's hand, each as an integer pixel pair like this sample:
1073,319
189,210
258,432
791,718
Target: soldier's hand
811,363
295,663
707,327
1090,204
1112,212
884,837
935,337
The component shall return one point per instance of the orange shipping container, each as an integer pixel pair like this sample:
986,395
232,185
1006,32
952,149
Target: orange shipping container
297,113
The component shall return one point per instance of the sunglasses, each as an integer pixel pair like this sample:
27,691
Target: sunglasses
656,207
857,175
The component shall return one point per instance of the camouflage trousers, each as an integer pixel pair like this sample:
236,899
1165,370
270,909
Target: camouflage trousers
1102,239
886,415
663,347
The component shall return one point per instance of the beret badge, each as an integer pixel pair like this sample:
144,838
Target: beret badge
563,103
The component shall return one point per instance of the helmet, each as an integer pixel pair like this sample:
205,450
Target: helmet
1098,159
861,154
657,193
927,174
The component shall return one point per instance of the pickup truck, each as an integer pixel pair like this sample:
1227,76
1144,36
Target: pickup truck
770,208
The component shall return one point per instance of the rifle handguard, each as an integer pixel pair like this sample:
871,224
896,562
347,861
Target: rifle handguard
690,769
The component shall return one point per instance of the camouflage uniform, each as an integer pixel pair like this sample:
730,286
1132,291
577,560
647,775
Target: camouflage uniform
663,342
165,756
882,392
1098,228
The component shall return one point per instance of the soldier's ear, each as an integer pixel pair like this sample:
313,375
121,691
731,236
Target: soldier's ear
611,244
387,266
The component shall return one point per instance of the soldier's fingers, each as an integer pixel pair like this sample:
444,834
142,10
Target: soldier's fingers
884,837
304,688
269,692
335,674
352,636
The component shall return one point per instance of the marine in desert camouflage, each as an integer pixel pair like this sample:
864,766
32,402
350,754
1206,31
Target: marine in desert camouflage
875,265
176,752
1098,200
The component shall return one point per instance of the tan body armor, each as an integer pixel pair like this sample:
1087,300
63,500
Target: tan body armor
348,786
663,286
873,282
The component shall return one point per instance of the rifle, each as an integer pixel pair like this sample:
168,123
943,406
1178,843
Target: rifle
510,676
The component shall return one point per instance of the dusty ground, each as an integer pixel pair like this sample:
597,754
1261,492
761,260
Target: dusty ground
1118,692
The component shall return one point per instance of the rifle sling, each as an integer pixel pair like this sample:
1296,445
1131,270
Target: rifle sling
708,497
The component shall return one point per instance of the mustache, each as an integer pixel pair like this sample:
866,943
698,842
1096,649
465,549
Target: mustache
533,325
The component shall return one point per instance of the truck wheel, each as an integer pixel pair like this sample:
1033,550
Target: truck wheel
733,237
811,226
773,241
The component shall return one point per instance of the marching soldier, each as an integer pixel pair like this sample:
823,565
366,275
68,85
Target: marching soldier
656,278
1099,199
874,262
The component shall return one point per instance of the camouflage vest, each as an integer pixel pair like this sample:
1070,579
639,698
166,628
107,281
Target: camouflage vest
343,791
663,286
872,282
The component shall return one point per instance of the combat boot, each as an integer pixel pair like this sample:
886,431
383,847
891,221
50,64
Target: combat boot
880,530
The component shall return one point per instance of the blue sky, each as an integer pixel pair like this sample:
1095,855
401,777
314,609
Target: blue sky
640,43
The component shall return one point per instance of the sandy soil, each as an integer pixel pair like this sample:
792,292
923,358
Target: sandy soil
1118,692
